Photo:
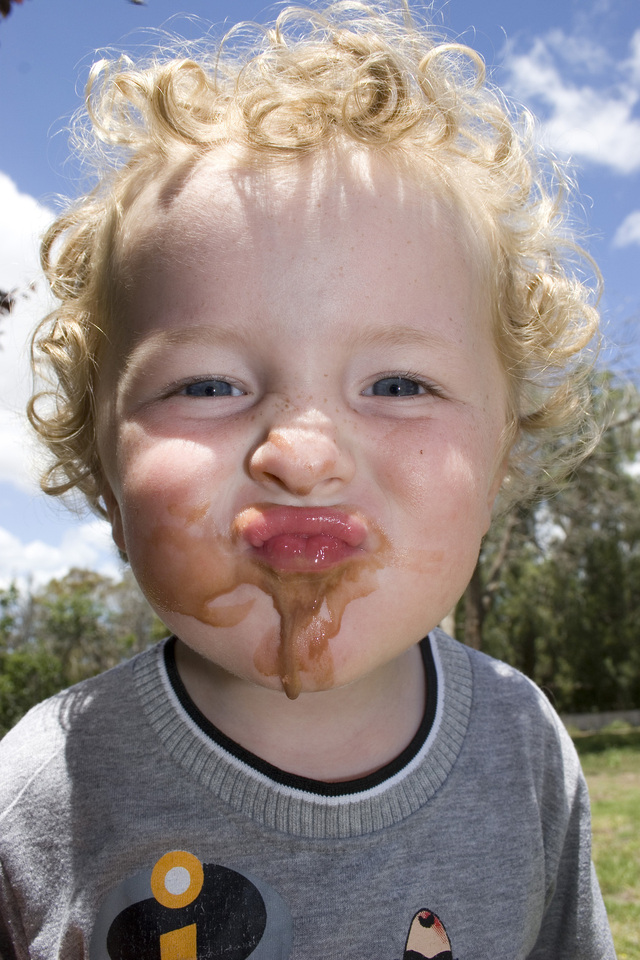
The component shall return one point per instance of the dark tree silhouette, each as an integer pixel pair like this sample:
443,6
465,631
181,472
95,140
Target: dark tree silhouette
5,6
7,297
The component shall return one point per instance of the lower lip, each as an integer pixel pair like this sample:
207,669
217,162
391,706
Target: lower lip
288,552
289,538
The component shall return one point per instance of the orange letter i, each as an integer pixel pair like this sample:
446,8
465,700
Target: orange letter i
179,944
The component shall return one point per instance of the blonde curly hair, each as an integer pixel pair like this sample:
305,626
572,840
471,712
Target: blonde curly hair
347,72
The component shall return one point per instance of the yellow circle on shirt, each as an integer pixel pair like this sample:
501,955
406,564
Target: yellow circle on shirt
177,879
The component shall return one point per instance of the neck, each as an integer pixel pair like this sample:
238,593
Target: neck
331,736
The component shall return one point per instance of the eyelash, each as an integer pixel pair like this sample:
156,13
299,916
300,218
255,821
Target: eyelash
428,386
180,389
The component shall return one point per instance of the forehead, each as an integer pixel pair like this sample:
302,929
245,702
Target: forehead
338,246
331,201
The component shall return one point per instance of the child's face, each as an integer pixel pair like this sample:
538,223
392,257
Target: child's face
302,423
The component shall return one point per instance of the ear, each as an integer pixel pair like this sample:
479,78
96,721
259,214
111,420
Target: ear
494,490
501,471
114,517
509,437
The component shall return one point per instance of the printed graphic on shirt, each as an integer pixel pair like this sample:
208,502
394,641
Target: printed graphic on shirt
427,939
184,909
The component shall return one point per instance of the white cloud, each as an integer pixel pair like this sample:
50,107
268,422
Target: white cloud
629,231
589,102
87,546
23,221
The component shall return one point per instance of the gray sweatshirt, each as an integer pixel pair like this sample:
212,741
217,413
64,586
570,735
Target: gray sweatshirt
132,829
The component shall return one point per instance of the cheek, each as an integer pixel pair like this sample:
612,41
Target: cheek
160,478
441,477
157,472
177,543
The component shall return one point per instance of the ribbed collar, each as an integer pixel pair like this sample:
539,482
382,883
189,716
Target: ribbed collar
294,804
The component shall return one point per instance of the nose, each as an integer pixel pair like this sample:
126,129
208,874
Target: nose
302,456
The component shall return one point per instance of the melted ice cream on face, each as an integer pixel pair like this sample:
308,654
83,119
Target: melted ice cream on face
189,566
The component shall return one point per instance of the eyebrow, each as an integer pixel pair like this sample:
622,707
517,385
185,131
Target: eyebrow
401,335
393,335
145,346
387,337
191,333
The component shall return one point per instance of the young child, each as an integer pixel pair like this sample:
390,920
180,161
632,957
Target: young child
313,318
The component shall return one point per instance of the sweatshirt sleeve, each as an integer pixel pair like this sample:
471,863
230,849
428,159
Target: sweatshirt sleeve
12,939
575,924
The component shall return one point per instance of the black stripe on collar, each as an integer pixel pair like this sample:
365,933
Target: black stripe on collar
292,780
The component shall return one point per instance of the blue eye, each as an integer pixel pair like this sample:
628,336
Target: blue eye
211,388
395,387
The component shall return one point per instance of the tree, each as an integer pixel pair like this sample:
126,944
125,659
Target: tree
557,589
28,673
72,628
5,6
7,300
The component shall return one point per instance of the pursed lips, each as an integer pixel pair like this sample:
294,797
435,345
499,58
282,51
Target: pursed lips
301,538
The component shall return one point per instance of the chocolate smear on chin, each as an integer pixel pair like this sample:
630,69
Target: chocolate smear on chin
187,568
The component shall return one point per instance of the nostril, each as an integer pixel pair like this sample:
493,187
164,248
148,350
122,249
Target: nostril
288,481
272,478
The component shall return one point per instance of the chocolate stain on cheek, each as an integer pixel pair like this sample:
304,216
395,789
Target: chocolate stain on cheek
188,567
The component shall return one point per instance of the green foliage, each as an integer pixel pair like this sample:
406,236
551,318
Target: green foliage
71,629
611,762
560,580
609,749
27,676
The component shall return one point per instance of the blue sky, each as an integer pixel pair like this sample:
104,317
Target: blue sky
575,63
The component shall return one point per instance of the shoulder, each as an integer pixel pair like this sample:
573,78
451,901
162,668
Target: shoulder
511,715
504,689
35,753
493,680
